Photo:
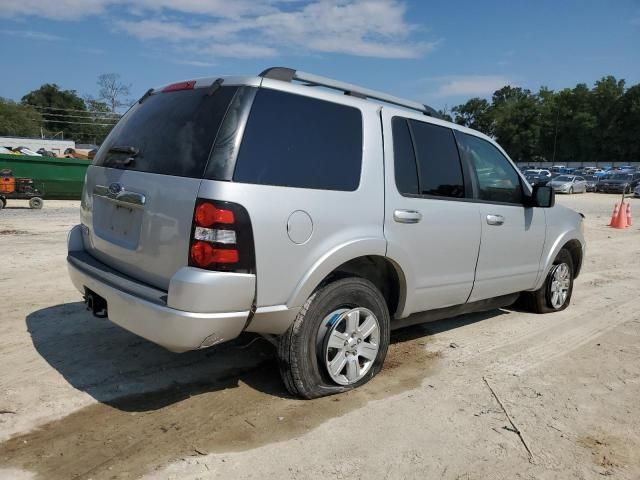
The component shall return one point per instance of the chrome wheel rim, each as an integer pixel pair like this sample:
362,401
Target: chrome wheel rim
350,344
560,284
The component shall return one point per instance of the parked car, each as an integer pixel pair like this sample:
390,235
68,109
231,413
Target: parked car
320,219
591,183
619,183
537,180
636,191
538,172
568,184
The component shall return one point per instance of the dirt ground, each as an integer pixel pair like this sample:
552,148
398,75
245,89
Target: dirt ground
497,395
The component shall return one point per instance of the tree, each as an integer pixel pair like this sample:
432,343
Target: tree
474,114
19,120
112,91
62,110
516,122
625,125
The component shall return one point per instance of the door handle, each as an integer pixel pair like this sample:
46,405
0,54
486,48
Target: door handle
407,216
495,219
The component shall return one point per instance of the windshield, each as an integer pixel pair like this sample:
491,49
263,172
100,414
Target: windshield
563,178
621,176
167,133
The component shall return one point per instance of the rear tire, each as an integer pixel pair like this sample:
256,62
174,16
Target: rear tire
3,202
35,203
543,300
305,349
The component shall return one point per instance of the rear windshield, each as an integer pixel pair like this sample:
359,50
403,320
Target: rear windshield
168,133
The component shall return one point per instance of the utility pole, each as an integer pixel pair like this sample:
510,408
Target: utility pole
555,137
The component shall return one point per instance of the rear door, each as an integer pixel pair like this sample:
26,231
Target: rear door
513,235
140,192
431,222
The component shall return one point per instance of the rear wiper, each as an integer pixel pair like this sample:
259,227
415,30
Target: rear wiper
132,151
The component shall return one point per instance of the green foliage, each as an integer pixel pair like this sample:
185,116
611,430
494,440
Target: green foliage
64,113
18,120
578,124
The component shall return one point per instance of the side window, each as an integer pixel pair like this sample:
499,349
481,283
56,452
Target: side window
296,141
497,179
439,167
426,159
404,160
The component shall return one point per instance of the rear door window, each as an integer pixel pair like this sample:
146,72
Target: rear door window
169,133
297,141
426,159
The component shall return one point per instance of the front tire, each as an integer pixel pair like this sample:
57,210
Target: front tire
338,341
555,293
571,191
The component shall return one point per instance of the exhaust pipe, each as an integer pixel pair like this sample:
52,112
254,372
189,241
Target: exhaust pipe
96,304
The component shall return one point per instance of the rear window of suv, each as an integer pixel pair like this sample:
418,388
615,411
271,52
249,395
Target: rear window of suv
169,133
297,141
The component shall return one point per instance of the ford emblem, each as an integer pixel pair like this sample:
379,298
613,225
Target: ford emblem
115,188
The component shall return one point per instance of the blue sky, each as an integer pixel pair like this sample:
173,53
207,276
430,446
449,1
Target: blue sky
441,53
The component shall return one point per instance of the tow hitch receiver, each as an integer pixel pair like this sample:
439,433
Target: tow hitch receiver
95,303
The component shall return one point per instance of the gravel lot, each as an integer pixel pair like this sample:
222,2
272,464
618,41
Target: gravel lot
82,398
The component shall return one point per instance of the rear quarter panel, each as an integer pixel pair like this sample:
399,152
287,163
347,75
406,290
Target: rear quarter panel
345,224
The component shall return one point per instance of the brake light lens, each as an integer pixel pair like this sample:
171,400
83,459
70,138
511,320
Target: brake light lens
175,87
207,214
221,237
204,254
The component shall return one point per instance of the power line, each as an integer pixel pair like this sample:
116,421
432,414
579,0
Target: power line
80,123
71,110
77,116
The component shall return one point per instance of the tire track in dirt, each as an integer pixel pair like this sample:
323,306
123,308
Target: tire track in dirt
130,436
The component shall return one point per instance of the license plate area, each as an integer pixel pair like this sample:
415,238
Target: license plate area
116,223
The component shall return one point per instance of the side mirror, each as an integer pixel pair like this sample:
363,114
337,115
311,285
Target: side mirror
543,197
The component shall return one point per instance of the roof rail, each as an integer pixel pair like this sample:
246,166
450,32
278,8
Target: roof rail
289,75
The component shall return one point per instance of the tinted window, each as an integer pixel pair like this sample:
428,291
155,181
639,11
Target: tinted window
172,132
296,141
497,179
404,158
439,169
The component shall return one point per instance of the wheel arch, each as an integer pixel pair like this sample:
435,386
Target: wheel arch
574,243
361,258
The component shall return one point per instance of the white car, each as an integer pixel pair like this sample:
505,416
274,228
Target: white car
538,172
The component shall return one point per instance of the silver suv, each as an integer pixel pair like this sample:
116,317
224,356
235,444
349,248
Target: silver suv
316,212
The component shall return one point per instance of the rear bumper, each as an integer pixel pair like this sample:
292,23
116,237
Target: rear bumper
148,312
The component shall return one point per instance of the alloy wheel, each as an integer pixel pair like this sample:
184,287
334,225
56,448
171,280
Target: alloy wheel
350,344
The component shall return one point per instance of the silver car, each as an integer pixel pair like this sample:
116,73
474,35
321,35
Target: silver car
568,184
320,217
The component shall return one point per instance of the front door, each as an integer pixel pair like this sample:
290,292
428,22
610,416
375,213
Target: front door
513,234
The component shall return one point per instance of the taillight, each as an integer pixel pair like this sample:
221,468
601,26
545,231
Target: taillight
221,237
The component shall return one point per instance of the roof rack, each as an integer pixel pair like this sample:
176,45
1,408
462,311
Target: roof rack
289,75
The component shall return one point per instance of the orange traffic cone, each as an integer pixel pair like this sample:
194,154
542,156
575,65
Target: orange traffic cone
621,220
614,215
629,214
